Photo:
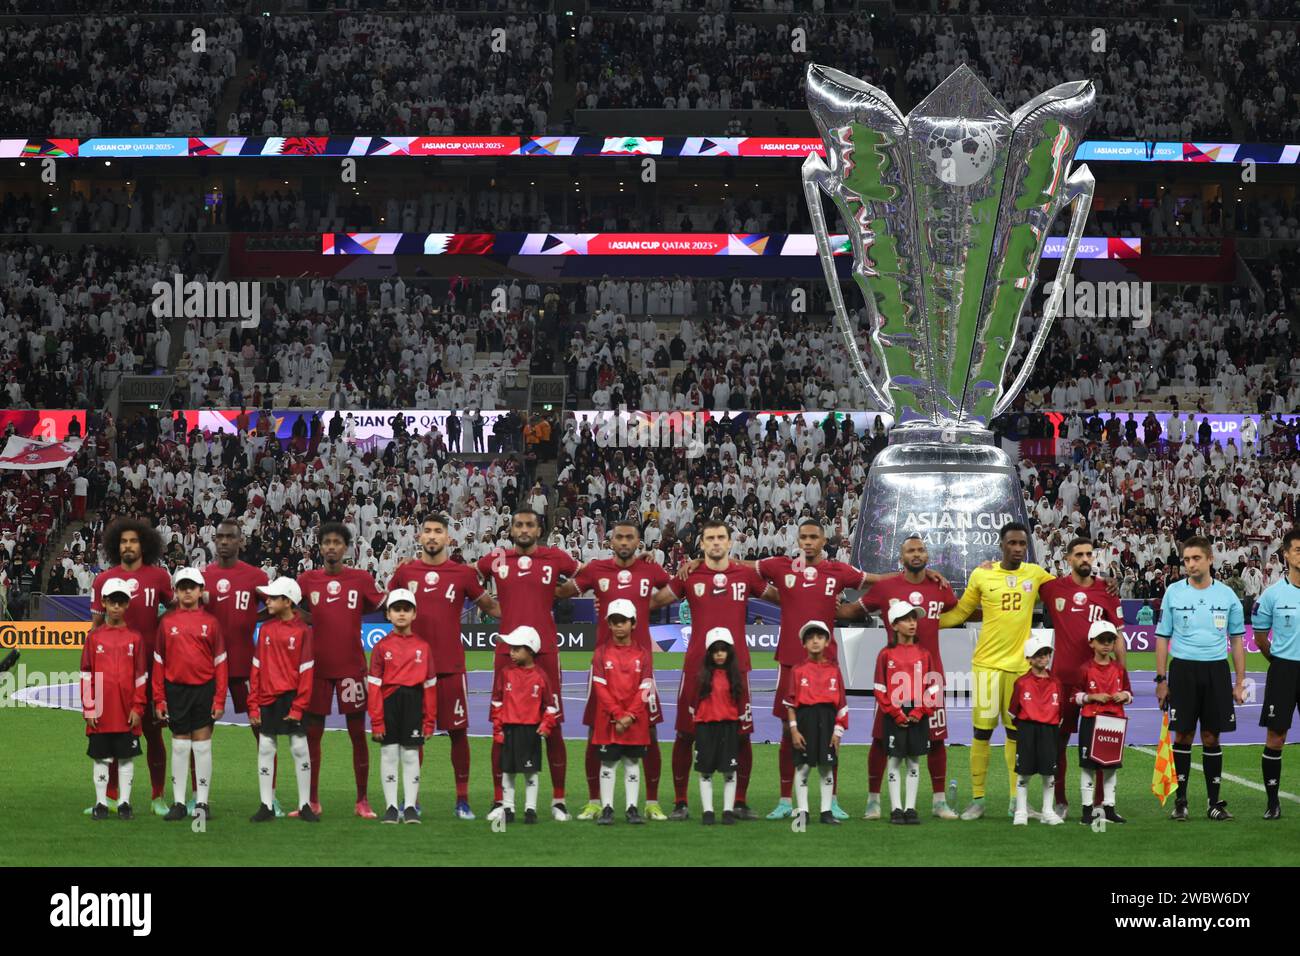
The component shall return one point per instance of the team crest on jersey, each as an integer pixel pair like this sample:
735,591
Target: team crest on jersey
699,589
916,598
624,577
810,574
525,562
388,655
719,580
1060,604
503,570
604,584
431,578
315,597
99,648
130,650
333,588
291,643
1028,586
134,585
223,586
1080,598
413,585
789,580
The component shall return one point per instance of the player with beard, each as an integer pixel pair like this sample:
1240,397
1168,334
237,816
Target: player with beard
441,587
916,586
526,577
1073,604
625,576
133,547
335,598
717,592
231,597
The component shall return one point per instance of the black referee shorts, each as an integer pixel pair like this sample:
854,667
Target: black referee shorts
1200,692
1281,695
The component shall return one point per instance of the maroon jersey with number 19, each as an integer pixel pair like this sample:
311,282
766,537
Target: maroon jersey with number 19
809,592
440,591
337,603
232,600
526,590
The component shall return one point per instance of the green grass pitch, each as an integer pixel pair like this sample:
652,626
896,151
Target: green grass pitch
45,783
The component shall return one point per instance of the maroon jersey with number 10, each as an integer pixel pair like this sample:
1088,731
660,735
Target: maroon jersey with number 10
1073,609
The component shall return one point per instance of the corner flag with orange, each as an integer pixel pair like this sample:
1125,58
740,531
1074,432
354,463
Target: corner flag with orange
1164,779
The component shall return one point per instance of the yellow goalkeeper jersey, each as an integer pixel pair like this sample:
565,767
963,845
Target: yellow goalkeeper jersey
1007,599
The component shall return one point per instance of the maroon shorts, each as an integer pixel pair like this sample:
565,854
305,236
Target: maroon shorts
652,703
1070,710
239,691
688,697
453,702
550,665
349,691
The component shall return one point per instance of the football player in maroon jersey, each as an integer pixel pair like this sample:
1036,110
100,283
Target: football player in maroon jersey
441,586
335,598
526,577
133,548
625,576
718,593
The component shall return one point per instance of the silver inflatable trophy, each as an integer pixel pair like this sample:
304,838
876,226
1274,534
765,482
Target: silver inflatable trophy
947,211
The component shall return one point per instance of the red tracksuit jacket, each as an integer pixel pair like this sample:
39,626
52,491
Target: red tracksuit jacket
906,677
719,705
1037,699
623,679
189,649
114,672
283,662
1104,679
522,695
819,682
401,660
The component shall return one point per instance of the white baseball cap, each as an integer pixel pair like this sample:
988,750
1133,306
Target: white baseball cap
901,609
524,636
399,594
719,634
1102,627
813,626
623,608
193,575
115,586
1036,643
283,586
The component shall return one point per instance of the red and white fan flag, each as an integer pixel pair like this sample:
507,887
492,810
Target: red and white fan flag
32,454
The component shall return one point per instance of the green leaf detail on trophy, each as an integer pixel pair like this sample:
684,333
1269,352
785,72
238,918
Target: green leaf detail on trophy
983,225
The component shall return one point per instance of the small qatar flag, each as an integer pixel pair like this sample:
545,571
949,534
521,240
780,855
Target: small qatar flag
32,454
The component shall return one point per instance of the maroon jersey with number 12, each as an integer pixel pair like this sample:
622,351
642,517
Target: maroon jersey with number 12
337,603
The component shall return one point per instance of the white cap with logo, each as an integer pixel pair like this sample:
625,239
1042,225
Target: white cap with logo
283,586
524,636
1038,642
193,575
621,607
399,594
901,609
115,586
719,634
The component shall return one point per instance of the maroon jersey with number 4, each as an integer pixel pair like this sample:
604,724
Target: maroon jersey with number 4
609,581
526,589
337,603
232,600
113,679
718,599
1037,699
1073,609
809,592
150,586
440,592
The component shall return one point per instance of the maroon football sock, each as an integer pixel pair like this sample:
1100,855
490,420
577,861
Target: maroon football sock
681,765
876,758
745,766
592,766
315,731
557,756
785,764
360,752
937,760
460,762
653,766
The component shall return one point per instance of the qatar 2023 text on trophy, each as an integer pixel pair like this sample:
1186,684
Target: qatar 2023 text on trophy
947,210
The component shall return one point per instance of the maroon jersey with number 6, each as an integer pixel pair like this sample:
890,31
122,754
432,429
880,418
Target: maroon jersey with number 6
609,581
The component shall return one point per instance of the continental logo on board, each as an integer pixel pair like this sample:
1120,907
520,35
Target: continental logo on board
37,635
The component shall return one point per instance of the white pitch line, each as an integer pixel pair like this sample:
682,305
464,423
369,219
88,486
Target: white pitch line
1227,776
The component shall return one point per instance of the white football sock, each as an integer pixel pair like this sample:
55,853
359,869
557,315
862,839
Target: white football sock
180,767
1087,787
508,791
631,781
728,792
801,775
301,766
706,793
892,767
202,750
606,785
1108,787
388,760
125,777
99,774
828,789
530,791
266,769
410,775
1022,795
1049,793
912,783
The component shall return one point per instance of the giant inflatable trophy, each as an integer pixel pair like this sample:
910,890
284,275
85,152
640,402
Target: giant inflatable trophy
947,210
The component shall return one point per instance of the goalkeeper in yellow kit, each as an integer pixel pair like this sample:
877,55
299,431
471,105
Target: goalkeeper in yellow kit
1006,593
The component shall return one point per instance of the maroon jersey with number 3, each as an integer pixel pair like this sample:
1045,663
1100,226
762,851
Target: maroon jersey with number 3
526,590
